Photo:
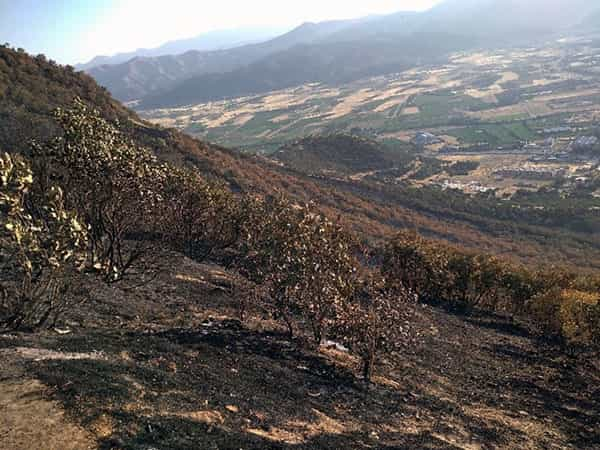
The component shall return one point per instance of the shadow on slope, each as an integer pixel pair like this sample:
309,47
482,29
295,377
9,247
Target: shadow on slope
228,387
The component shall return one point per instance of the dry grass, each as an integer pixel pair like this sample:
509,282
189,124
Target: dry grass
350,102
410,110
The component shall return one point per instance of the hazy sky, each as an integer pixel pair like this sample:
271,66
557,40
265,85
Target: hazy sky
72,31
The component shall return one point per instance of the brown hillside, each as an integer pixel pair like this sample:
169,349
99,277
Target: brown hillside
340,154
30,88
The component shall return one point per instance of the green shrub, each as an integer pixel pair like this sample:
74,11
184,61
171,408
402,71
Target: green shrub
303,258
440,273
561,304
414,265
40,242
580,316
570,314
329,270
111,182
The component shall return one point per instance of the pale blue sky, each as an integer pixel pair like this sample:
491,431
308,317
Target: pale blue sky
73,31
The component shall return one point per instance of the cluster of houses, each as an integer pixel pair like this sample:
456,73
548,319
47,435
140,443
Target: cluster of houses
423,138
585,143
471,187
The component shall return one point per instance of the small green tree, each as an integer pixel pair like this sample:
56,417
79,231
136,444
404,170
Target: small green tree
40,242
113,184
473,280
303,259
248,296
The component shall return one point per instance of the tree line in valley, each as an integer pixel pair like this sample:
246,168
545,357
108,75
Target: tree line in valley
91,201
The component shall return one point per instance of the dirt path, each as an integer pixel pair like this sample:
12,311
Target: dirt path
29,421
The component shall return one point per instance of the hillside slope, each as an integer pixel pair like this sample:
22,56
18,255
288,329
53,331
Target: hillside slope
144,76
205,42
372,209
339,154
180,372
31,88
159,359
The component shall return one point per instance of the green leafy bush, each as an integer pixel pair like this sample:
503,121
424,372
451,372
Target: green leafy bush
40,242
570,314
412,264
580,316
560,303
305,260
111,182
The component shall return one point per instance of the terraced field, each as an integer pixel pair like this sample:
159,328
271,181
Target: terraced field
500,98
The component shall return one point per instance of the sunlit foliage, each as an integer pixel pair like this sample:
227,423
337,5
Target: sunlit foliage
40,241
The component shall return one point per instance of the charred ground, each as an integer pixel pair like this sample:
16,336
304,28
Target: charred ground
181,371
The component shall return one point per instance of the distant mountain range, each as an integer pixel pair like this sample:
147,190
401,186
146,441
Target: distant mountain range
339,51
142,77
205,42
326,62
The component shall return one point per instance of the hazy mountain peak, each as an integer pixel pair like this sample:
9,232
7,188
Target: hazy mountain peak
209,41
453,25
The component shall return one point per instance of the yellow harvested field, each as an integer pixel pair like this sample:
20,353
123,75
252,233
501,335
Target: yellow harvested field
349,103
409,110
392,103
243,119
537,107
371,103
488,95
484,96
479,59
532,109
166,122
507,77
281,118
477,93
400,135
294,97
452,140
544,82
276,101
221,120
439,79
391,92
403,92
404,84
571,94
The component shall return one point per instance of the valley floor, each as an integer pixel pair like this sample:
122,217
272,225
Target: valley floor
167,367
